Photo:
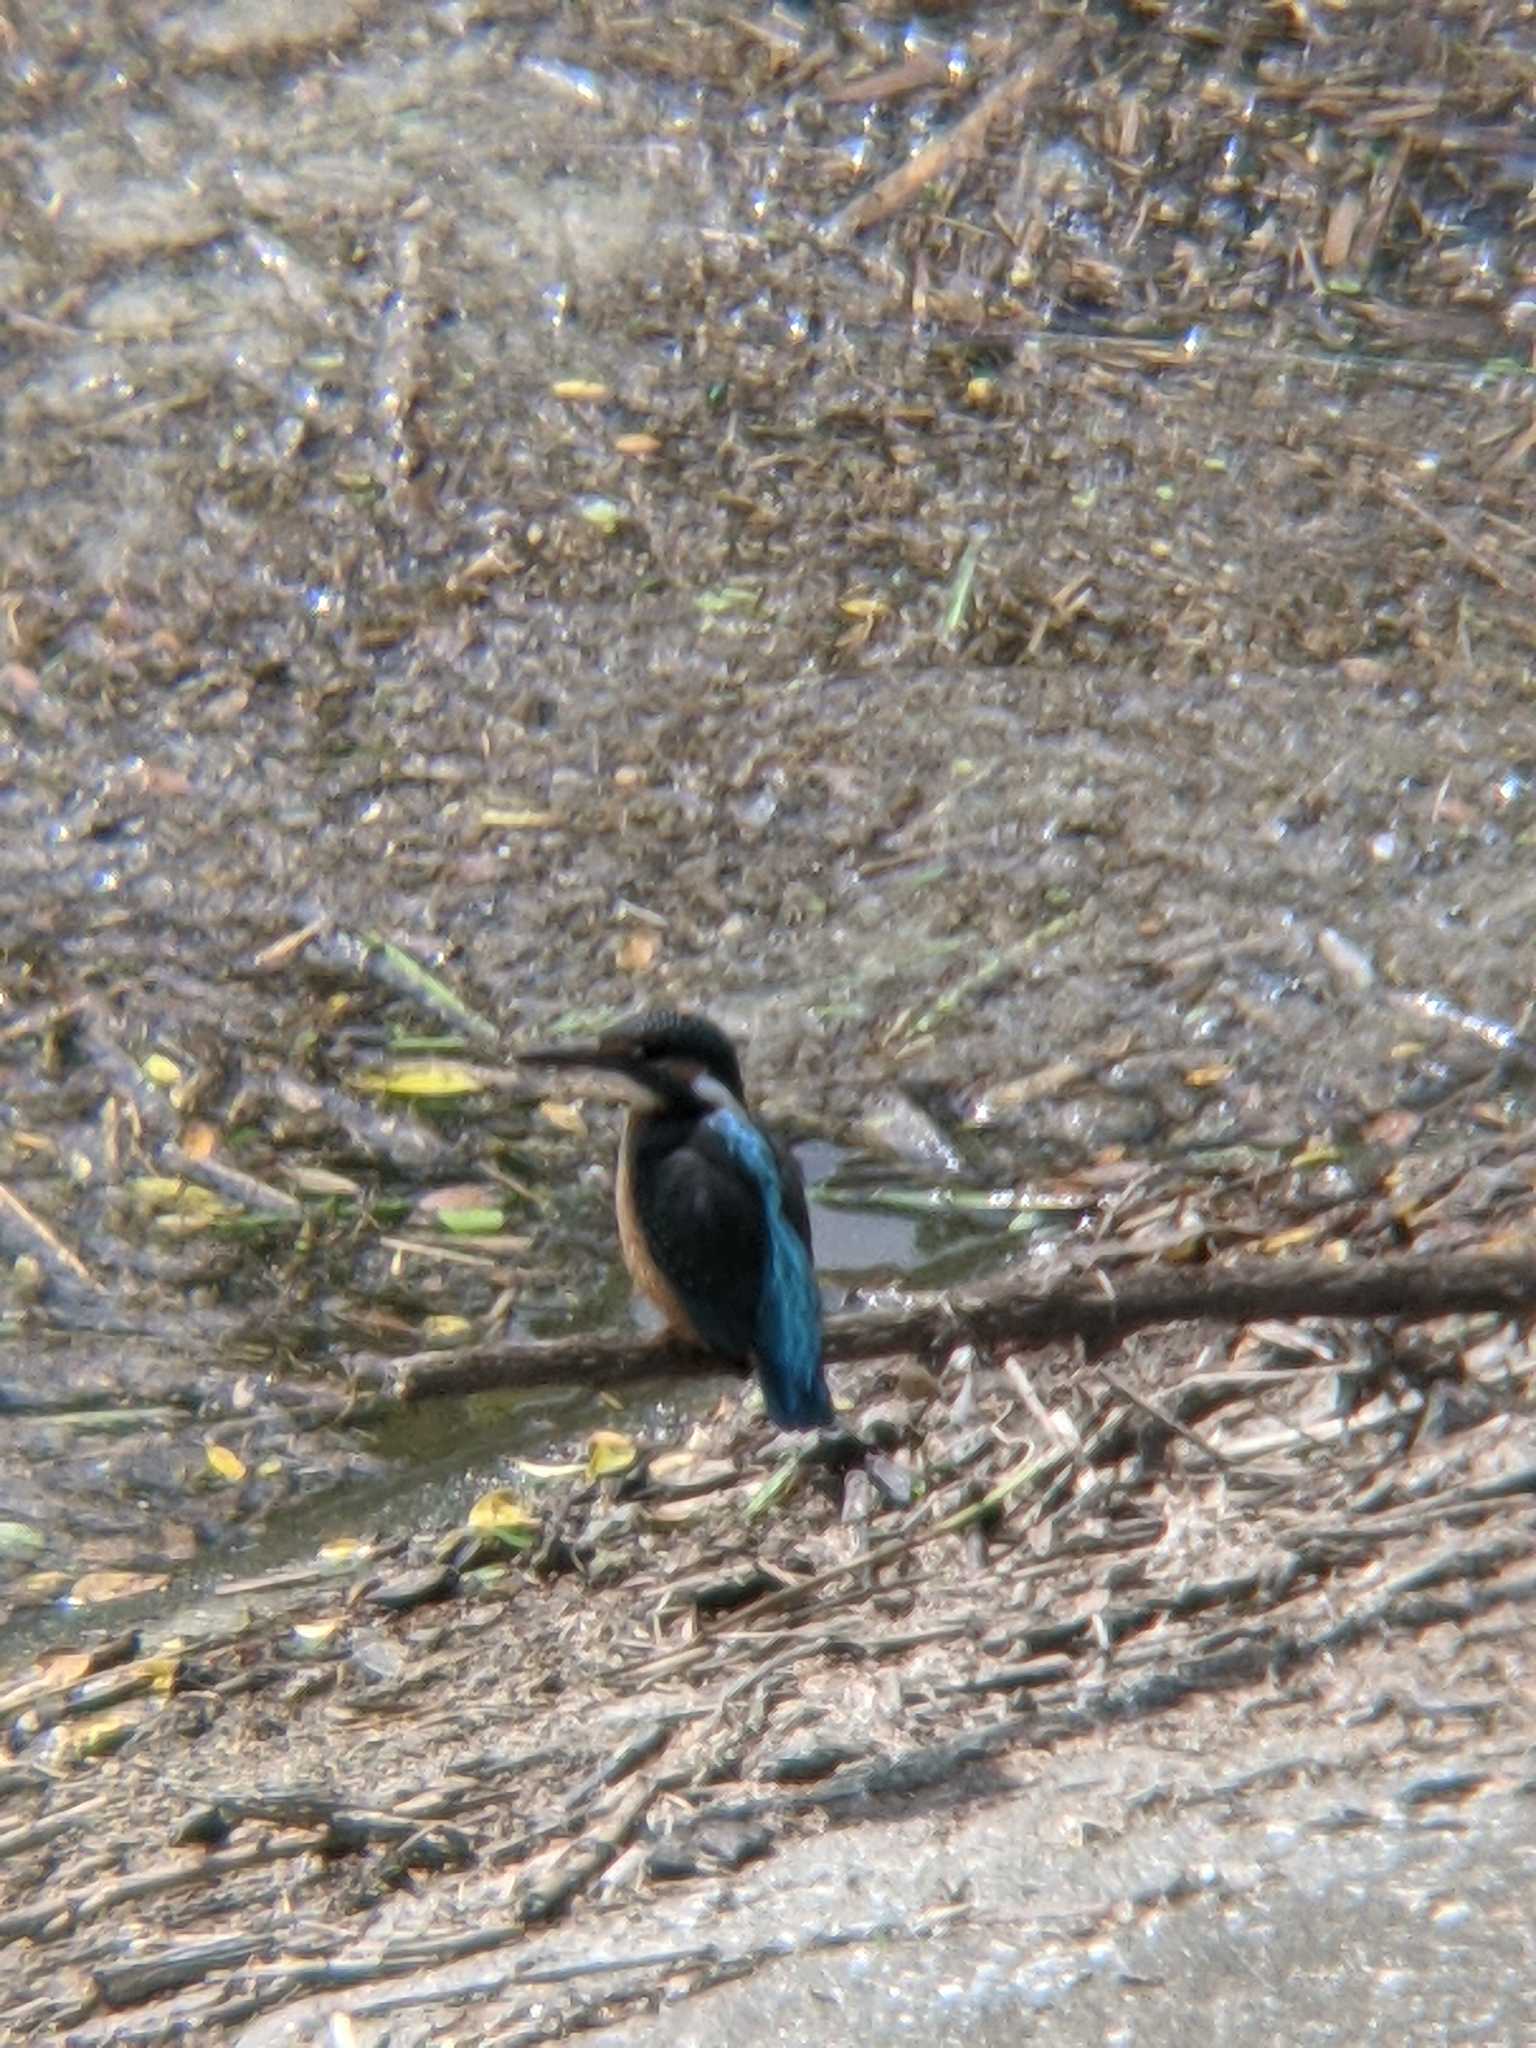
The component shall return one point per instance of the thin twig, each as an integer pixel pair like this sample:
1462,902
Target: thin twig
1474,558
1164,1420
44,1244
958,144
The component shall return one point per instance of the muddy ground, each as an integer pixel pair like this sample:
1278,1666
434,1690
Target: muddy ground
515,512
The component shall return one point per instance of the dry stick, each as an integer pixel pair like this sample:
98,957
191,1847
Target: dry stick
1409,1288
44,1244
135,1982
231,1183
912,75
159,1122
97,1036
542,1894
60,1913
1384,190
21,1841
1171,1423
539,1897
36,1023
1463,549
961,142
354,1974
1025,1473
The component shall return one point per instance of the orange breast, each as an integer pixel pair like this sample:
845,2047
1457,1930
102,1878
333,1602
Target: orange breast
643,1269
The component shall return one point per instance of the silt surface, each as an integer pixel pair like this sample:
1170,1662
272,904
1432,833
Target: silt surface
1043,651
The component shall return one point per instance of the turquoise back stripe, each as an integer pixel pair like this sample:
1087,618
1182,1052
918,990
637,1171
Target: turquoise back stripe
788,1331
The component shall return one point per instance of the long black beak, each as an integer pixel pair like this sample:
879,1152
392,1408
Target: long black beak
607,1073
575,1056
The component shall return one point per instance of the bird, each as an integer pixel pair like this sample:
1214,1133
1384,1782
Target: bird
712,1215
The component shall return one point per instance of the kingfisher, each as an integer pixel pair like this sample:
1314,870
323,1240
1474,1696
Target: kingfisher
712,1215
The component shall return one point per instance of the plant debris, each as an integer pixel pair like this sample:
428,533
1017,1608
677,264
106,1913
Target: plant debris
996,553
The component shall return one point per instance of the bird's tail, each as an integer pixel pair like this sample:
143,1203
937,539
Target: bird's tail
796,1402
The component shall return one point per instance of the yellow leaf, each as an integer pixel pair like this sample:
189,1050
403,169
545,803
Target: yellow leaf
444,1329
636,444
199,1141
609,1451
1319,1152
579,389
500,1513
669,1465
343,1550
637,952
188,1225
101,1736
1208,1077
423,1080
162,1071
1185,1250
496,820
162,1673
313,1633
227,1463
532,1468
565,1116
1289,1240
161,1194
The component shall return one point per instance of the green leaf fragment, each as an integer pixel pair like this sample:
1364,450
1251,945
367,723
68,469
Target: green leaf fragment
471,1222
960,592
435,993
776,1488
603,513
729,597
20,1539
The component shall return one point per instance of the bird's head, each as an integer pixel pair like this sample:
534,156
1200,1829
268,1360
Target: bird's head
666,1059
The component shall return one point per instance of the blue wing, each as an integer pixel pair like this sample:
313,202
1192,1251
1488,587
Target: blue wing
725,1217
787,1330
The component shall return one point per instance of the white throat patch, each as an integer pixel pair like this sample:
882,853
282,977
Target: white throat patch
714,1092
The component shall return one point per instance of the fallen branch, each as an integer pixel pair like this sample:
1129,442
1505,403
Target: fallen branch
1406,1288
